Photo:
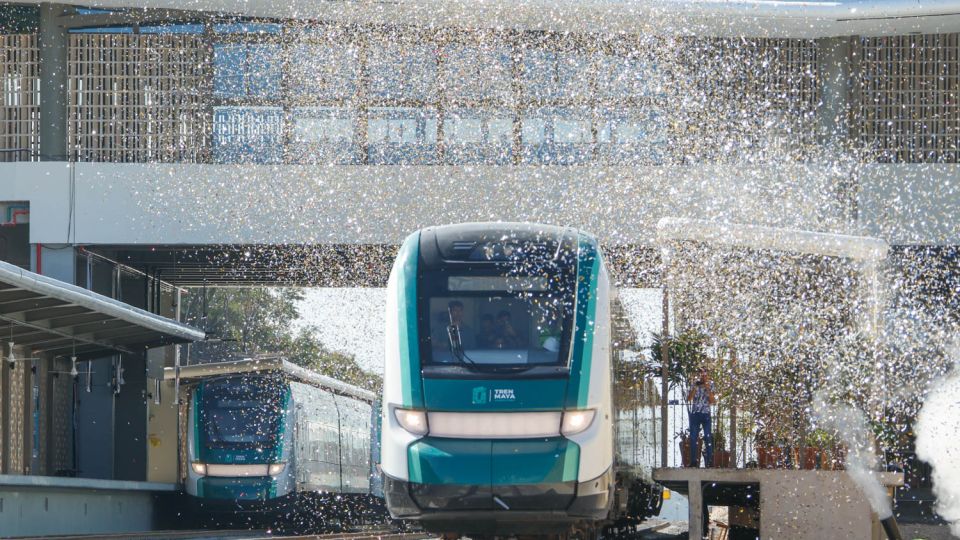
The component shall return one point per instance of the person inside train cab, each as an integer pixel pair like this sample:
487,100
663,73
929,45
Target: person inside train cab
700,397
488,332
506,335
454,315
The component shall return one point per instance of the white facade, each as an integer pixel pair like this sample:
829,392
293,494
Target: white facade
277,204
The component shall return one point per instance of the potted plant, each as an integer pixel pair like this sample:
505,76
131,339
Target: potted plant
816,452
769,453
685,355
721,456
684,437
837,454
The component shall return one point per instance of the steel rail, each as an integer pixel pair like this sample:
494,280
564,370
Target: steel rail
244,534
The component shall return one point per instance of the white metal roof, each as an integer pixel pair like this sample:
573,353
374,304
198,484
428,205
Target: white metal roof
751,18
48,315
250,365
771,238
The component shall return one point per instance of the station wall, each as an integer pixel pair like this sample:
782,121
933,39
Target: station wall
104,203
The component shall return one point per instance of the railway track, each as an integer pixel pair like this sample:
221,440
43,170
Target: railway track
207,534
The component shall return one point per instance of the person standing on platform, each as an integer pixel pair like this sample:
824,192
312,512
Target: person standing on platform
701,396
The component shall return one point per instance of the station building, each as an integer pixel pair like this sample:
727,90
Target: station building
171,144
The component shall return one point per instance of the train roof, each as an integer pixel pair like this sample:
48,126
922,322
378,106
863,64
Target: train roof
474,241
197,372
517,229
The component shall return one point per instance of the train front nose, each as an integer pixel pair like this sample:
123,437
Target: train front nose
484,474
493,452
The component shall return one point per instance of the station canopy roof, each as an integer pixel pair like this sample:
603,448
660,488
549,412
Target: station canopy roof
46,315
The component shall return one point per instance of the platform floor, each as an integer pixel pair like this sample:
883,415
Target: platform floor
48,505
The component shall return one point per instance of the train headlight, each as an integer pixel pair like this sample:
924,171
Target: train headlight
576,421
276,468
199,468
413,421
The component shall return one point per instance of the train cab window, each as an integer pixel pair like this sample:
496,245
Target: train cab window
498,321
242,412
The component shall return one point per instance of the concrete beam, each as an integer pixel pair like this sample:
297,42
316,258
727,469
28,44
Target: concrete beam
134,17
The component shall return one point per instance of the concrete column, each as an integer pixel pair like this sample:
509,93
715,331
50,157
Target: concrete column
835,129
695,507
53,83
833,116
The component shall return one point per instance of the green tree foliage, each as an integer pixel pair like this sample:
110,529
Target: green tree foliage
686,353
244,322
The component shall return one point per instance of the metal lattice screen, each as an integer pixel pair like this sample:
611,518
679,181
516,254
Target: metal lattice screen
139,98
60,401
151,97
751,94
908,110
17,416
20,110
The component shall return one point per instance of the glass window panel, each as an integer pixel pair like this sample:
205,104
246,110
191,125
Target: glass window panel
632,137
247,134
402,71
263,70
402,135
321,124
173,29
476,73
228,67
324,71
557,136
572,130
501,130
244,70
533,130
478,136
555,74
624,77
460,130
324,135
103,30
248,28
393,130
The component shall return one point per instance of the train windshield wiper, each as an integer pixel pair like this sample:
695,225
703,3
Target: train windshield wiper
456,344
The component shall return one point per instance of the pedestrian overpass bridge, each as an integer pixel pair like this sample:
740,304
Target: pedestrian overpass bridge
196,224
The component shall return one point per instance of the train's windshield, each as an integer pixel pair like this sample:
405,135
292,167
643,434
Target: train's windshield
242,412
499,321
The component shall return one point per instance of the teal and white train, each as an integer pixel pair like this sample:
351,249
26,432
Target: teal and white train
266,437
498,414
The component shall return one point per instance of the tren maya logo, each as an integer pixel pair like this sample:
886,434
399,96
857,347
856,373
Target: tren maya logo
482,395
